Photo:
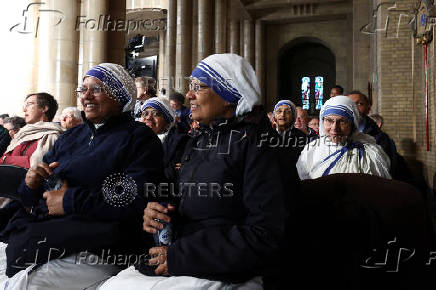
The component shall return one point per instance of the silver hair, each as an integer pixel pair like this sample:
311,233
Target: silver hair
76,113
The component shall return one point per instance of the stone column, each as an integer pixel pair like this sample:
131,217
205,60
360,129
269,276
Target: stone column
171,47
361,45
259,63
116,36
234,37
241,38
162,58
249,41
204,28
93,13
195,59
58,53
220,26
183,45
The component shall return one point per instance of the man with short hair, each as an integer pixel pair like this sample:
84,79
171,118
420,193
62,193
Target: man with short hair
301,123
177,101
38,136
398,168
336,91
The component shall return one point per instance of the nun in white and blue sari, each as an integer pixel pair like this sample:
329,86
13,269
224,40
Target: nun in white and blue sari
222,241
341,147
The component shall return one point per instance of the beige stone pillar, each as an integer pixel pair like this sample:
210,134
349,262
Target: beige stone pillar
93,13
162,59
249,41
234,37
183,45
259,63
241,38
195,59
116,38
361,45
205,32
58,53
220,26
170,50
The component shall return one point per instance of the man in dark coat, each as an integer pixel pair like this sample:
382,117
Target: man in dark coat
399,169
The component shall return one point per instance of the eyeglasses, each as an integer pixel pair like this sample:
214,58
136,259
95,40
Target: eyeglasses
196,87
28,104
153,113
95,90
339,122
285,112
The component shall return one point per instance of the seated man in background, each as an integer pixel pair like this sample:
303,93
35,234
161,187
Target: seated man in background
336,91
177,101
36,138
302,123
70,117
398,168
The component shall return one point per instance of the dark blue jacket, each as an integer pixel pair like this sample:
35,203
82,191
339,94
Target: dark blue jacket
106,170
399,168
231,212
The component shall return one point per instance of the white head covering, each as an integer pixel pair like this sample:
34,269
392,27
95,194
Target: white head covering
291,105
162,105
360,155
231,77
117,81
341,106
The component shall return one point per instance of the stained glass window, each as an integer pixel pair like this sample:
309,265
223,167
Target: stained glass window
319,92
305,92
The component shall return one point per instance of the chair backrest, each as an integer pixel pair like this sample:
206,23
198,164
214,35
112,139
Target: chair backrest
346,223
10,178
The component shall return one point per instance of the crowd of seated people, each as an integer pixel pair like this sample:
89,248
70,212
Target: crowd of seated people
225,174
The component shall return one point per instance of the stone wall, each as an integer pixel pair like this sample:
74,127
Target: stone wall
399,86
336,34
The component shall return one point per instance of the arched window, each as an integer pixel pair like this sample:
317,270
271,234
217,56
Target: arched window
318,95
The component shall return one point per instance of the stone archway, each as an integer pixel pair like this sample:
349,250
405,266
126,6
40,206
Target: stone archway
305,57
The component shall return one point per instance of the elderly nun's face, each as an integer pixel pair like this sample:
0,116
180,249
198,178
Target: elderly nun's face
206,105
154,119
283,116
96,102
337,128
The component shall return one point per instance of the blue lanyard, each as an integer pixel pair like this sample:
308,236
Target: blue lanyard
341,153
